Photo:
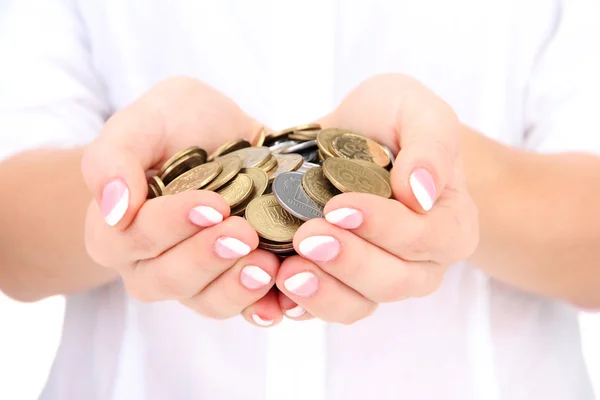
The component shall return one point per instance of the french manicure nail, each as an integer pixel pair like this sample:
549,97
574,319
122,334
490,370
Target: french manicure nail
205,216
115,200
253,277
231,248
262,322
304,284
320,248
347,218
295,312
423,187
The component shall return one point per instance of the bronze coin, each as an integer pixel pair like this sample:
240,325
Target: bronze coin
231,166
253,156
260,139
260,181
180,154
269,165
270,220
180,166
355,146
193,179
156,187
285,163
324,139
228,148
318,187
236,191
349,176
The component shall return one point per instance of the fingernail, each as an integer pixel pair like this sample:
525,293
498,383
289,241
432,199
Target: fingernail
231,248
423,187
254,277
295,312
205,216
115,200
260,321
320,248
304,284
347,218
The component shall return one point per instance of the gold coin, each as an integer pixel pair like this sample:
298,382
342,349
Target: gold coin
318,187
285,132
324,139
181,166
270,220
156,187
355,146
349,176
260,140
180,154
269,165
253,156
275,247
237,190
228,148
260,181
193,179
285,163
231,166
304,135
384,173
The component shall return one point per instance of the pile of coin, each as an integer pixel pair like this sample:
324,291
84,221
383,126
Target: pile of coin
281,180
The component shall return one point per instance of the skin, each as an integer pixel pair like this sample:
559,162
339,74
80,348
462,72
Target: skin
160,254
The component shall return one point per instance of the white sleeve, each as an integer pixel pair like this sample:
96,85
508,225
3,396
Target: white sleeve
49,92
563,105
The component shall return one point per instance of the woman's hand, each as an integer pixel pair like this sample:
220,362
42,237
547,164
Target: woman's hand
181,247
372,250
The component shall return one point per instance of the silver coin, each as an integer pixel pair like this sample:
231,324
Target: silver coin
290,195
309,144
306,166
279,146
310,155
387,149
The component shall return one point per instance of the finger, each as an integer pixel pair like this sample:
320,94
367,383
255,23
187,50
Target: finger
441,236
160,224
368,269
240,286
292,310
265,312
422,125
321,294
171,116
186,269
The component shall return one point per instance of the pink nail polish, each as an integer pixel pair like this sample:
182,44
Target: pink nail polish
320,248
347,218
304,284
253,277
115,200
205,216
423,187
231,248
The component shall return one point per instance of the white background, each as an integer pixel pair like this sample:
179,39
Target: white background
29,335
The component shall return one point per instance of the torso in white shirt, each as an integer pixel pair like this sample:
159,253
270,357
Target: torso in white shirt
290,62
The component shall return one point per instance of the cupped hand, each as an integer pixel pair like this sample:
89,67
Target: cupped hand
183,247
368,249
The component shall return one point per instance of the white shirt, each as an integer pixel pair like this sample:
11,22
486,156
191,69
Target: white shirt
521,71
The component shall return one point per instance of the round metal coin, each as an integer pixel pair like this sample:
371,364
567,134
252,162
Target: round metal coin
270,220
253,156
349,176
317,187
180,154
231,167
260,181
180,166
325,138
237,190
229,147
298,147
193,179
288,190
285,163
354,146
384,173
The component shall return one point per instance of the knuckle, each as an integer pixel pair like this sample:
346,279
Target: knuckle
419,246
356,314
168,284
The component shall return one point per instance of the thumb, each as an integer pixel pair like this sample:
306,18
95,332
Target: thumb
429,141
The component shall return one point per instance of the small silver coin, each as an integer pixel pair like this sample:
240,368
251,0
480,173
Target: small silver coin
309,144
392,157
290,195
310,155
279,146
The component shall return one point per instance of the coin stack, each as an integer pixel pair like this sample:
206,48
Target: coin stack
283,179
